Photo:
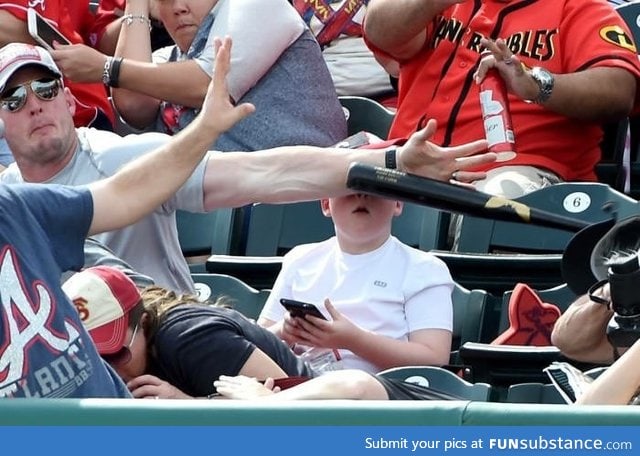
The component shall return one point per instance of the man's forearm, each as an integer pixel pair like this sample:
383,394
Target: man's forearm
302,173
182,83
597,94
284,174
580,332
13,29
618,384
150,180
398,27
134,44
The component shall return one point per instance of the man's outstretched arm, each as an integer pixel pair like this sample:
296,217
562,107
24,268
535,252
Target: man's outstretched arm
145,183
617,385
299,173
581,331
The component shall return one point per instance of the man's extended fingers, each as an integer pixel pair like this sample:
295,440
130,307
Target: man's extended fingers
464,163
218,98
472,148
222,59
469,176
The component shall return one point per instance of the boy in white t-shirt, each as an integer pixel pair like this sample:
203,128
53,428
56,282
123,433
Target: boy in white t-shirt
387,304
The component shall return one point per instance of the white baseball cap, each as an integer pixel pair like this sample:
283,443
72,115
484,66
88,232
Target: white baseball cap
14,56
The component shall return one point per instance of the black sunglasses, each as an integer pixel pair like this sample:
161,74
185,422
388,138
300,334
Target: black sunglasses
14,98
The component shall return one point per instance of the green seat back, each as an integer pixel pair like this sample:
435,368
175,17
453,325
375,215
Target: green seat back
442,380
243,298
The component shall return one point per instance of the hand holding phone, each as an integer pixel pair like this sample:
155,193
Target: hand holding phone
299,309
43,32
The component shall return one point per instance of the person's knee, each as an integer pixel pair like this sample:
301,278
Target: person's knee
361,386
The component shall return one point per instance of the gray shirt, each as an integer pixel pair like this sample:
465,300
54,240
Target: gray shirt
98,254
296,102
151,245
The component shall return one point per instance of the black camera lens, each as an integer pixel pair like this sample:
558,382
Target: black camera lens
624,280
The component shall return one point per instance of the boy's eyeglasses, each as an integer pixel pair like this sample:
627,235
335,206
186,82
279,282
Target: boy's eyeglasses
14,98
122,356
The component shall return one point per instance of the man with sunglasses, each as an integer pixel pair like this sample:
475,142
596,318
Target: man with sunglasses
61,154
44,349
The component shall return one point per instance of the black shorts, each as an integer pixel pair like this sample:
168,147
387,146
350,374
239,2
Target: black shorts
399,390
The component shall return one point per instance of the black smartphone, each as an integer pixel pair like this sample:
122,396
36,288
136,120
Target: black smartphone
300,309
43,32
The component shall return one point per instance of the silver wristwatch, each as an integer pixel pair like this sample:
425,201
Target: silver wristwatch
545,81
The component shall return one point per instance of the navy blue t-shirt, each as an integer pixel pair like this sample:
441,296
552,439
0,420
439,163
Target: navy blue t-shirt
195,344
44,349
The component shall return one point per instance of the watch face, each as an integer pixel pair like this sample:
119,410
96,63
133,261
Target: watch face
545,81
543,76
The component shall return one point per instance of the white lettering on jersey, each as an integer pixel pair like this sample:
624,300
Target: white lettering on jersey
16,341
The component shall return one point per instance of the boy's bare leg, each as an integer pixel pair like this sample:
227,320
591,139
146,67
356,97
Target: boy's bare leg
343,384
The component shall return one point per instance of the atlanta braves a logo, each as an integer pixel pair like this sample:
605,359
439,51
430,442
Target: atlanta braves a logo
27,322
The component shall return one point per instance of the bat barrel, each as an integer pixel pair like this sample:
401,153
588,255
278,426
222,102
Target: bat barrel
450,197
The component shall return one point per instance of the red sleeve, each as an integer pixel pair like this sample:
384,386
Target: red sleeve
16,7
108,11
594,35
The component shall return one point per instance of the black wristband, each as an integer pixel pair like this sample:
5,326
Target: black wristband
114,72
390,159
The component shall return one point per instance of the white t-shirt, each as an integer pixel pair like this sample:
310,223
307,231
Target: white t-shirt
391,291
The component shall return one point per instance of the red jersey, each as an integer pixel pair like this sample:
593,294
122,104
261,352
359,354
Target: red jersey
89,96
91,21
562,36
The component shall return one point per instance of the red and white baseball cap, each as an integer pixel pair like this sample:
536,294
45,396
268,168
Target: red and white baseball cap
14,56
104,297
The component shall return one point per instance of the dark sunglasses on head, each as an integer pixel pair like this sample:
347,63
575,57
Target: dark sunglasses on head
14,98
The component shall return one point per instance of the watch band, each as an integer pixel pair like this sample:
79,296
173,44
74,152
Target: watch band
106,76
390,159
545,81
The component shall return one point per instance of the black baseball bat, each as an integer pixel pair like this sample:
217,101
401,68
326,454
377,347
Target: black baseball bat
450,197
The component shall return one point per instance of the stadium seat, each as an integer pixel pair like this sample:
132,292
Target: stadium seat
561,296
203,234
468,313
614,163
530,253
365,114
534,393
504,365
274,229
240,296
630,13
441,380
589,202
497,273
